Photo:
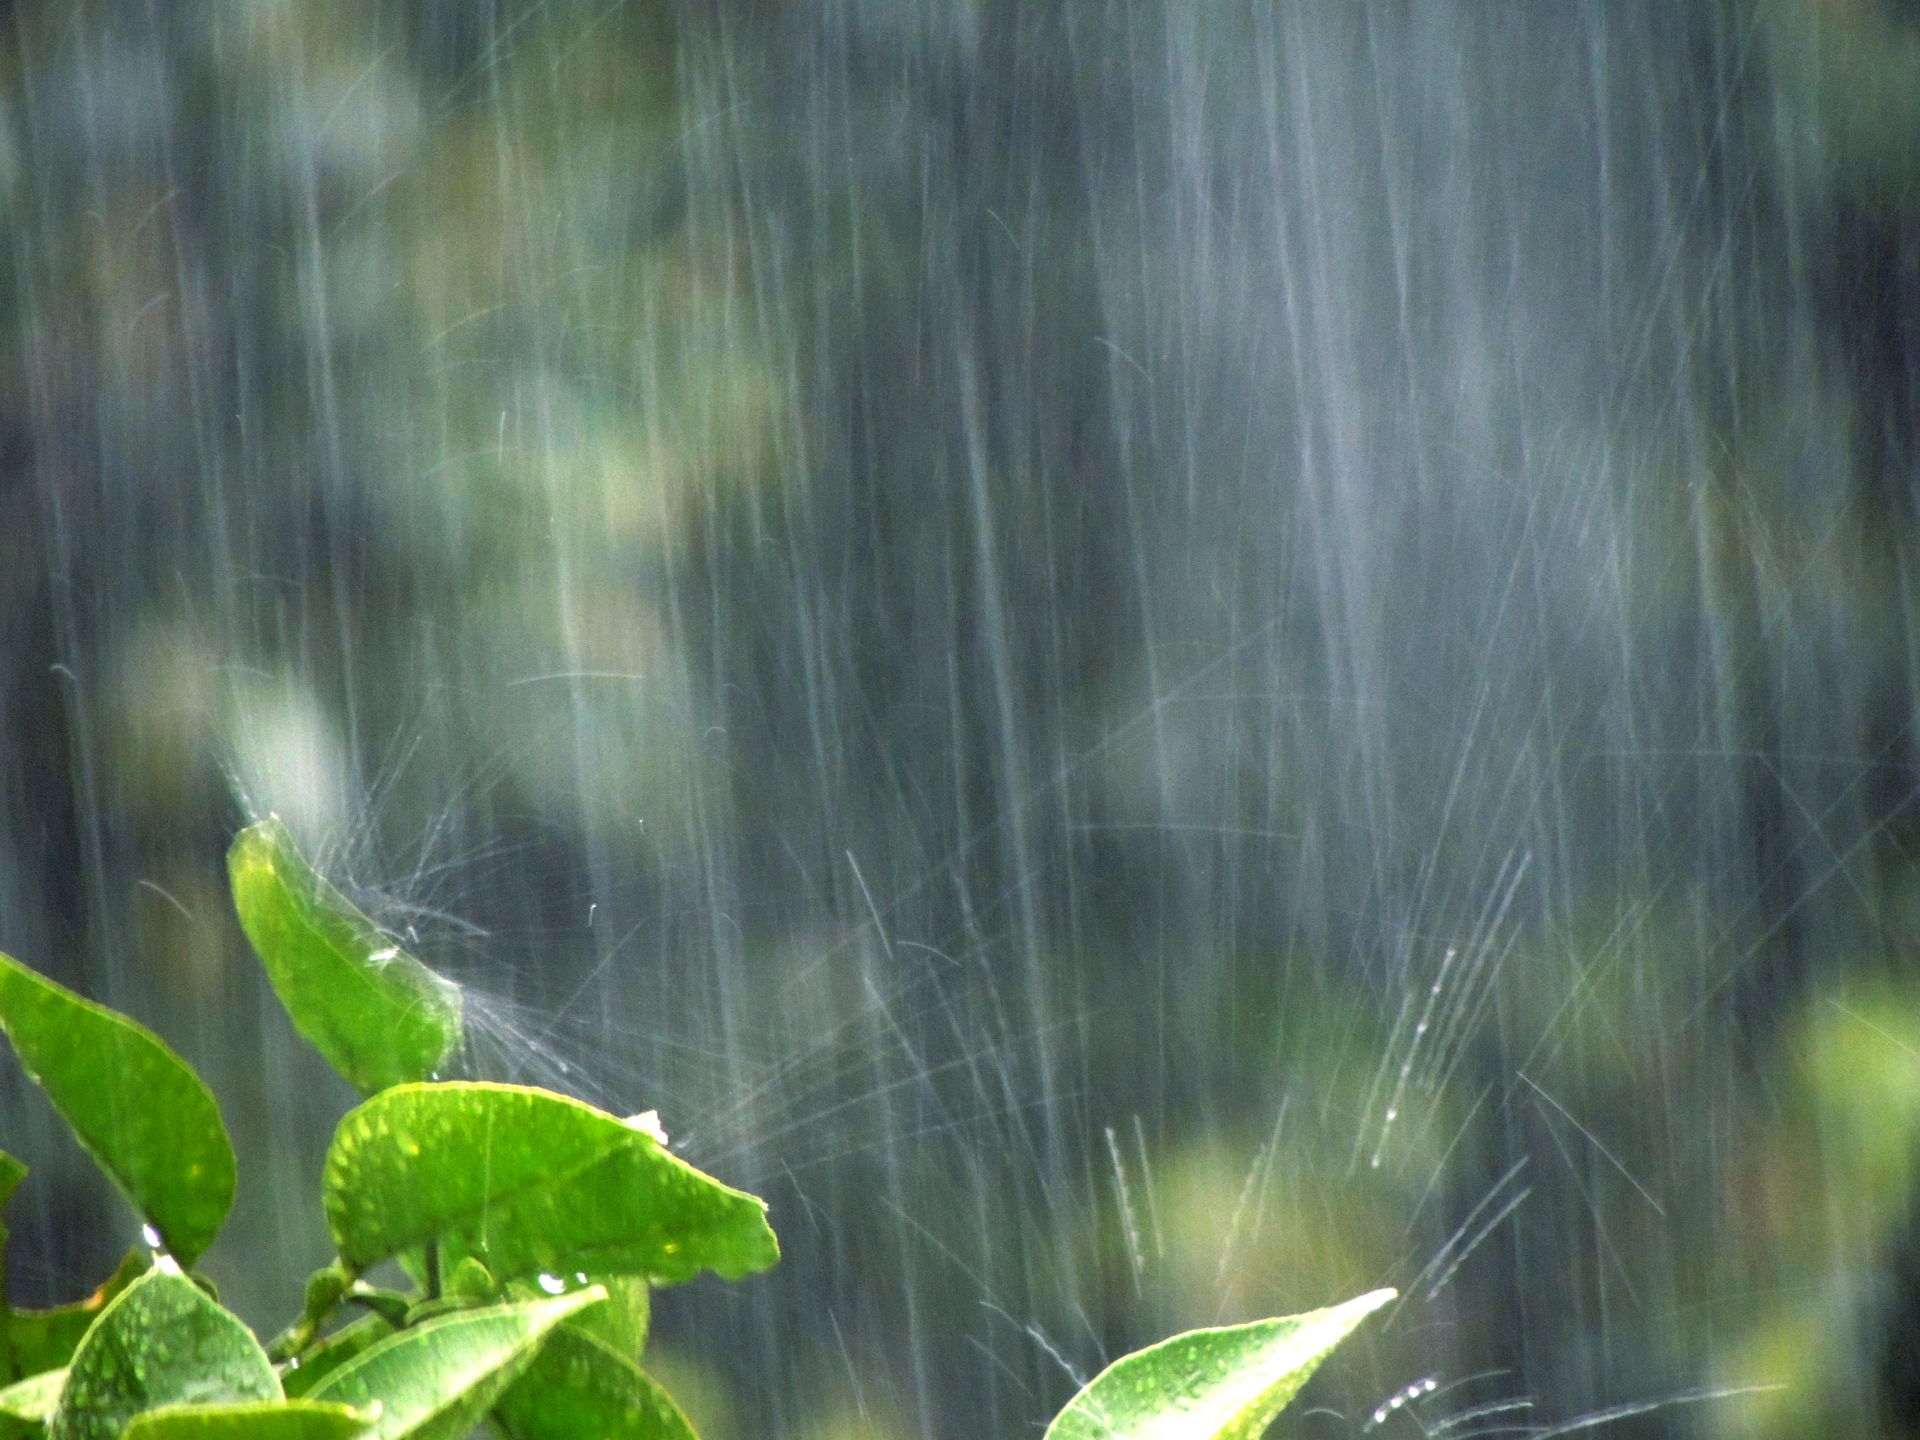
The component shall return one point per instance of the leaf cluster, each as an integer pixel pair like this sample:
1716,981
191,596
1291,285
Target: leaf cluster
533,1227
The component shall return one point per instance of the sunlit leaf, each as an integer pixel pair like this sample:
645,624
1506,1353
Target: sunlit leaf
333,1352
530,1182
134,1104
32,1400
435,1381
261,1420
577,1386
163,1341
377,1014
46,1339
1224,1384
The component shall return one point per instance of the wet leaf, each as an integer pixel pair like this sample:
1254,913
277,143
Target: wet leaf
1224,1384
530,1182
331,1353
161,1342
262,1420
138,1109
46,1339
436,1381
577,1386
379,1016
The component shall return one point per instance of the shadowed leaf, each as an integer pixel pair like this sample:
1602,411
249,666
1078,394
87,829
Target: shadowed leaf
577,1386
620,1324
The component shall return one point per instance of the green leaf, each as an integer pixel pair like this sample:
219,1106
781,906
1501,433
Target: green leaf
391,1305
379,1016
261,1420
46,1339
33,1399
435,1381
161,1342
333,1352
621,1323
530,1182
1225,1384
471,1283
577,1386
134,1104
12,1172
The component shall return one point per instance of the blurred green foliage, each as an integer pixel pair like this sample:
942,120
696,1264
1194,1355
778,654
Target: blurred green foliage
978,594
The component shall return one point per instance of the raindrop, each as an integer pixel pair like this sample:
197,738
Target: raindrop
553,1285
151,1236
1400,1399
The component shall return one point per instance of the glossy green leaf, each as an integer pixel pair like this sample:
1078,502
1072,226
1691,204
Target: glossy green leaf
46,1339
333,1352
260,1420
134,1104
578,1387
436,1381
33,1399
161,1342
1224,1384
530,1182
379,1016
